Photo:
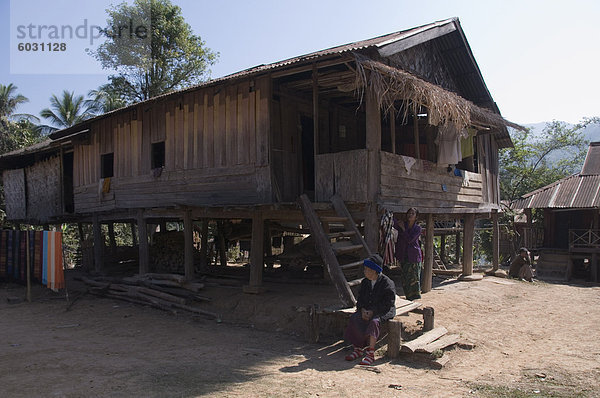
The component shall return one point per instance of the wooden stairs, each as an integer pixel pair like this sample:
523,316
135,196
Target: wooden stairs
342,250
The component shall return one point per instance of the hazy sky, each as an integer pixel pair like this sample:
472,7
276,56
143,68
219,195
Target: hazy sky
540,59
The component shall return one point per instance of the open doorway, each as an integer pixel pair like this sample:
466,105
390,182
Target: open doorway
308,156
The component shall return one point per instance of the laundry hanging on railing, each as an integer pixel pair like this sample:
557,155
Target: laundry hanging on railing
45,257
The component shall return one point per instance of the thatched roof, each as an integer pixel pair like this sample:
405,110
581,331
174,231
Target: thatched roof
391,84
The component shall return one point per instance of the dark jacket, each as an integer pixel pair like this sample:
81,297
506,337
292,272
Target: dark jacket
381,298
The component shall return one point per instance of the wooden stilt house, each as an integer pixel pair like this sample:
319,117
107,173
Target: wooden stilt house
392,122
570,241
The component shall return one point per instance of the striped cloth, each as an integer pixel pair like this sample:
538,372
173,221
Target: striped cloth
55,272
387,237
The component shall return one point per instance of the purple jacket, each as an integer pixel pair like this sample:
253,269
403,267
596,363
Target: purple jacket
408,244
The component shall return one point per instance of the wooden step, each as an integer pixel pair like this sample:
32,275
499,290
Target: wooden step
352,265
338,250
343,234
355,282
333,219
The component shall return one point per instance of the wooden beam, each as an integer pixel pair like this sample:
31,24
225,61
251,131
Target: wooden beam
394,338
188,232
111,237
393,130
469,230
204,245
98,244
373,144
144,255
416,132
134,238
495,241
257,259
428,268
457,247
443,248
315,103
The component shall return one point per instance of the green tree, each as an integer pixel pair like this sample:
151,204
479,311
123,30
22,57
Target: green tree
534,162
10,101
104,100
64,112
152,49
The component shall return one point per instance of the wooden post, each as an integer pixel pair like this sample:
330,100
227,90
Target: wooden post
457,248
268,245
257,260
416,132
469,230
144,262
594,268
81,234
204,245
98,244
315,98
528,231
428,266
394,338
134,239
443,248
28,264
373,143
393,130
222,247
428,319
111,237
188,233
495,241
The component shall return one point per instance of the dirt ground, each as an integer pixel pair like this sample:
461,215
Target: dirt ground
531,340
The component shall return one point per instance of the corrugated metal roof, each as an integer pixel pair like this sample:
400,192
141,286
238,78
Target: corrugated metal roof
576,191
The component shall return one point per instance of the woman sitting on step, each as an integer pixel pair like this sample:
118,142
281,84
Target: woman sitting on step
375,303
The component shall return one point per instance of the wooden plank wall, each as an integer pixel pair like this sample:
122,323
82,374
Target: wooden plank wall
343,173
216,151
427,187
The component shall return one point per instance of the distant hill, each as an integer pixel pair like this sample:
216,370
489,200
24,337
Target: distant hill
591,133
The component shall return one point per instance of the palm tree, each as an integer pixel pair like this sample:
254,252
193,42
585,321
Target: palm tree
104,100
9,101
65,112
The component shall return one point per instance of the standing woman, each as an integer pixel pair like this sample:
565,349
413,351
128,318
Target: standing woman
408,253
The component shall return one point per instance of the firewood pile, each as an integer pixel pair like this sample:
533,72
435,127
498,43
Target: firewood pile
167,252
168,292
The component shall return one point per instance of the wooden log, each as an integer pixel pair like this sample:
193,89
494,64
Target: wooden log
257,259
98,244
161,295
169,277
313,324
427,270
439,344
188,231
424,339
495,241
144,255
469,230
428,319
394,338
